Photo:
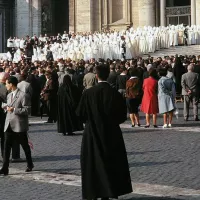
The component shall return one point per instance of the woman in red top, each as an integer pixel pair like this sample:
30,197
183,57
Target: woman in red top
150,99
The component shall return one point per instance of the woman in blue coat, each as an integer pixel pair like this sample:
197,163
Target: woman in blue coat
166,98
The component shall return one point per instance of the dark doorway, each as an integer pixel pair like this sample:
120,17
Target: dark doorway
61,16
172,3
182,3
6,22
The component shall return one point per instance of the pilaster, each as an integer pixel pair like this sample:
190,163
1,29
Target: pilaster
146,12
22,18
193,12
36,16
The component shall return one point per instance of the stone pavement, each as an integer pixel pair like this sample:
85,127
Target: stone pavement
164,163
180,50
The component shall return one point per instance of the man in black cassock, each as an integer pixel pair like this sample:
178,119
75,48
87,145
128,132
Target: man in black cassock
104,165
28,43
35,98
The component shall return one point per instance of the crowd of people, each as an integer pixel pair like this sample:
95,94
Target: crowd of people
106,44
95,91
140,81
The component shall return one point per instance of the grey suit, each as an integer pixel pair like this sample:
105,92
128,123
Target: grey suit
18,119
25,87
16,127
190,82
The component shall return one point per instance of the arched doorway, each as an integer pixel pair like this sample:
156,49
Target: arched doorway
178,12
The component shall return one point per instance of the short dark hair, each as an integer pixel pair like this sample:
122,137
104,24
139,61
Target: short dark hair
133,72
153,73
102,71
163,72
13,80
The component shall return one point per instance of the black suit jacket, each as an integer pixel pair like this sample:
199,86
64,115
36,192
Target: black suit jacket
42,80
112,79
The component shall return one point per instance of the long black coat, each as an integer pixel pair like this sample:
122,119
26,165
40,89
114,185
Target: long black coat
68,99
104,165
34,81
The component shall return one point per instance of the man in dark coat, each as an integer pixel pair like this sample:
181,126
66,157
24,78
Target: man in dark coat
49,95
77,78
28,47
3,95
35,98
104,165
112,76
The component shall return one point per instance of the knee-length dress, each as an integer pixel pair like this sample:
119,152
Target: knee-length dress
166,95
150,99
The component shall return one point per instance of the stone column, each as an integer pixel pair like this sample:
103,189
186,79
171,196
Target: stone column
197,12
84,15
36,17
110,12
22,18
105,13
193,12
157,12
135,13
146,12
72,11
162,12
128,11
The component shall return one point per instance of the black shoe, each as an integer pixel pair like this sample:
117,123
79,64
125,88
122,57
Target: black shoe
147,126
29,169
64,134
133,125
196,119
49,122
155,126
3,172
70,134
138,125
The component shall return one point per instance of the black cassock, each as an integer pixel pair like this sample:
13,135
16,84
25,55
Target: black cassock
104,165
68,99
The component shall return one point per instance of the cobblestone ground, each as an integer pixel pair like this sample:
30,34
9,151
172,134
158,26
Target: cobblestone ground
164,163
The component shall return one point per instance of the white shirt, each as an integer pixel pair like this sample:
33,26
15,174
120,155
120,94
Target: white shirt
13,94
102,82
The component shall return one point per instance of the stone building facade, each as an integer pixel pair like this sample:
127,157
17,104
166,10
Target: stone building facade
22,17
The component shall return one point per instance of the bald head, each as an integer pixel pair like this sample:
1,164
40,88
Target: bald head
3,77
190,68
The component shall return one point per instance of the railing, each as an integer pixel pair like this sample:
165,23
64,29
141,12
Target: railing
177,11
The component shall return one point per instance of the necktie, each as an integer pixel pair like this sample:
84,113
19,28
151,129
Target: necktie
11,97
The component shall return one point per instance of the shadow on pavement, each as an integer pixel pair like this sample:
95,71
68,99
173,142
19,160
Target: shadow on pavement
69,171
152,198
142,152
140,130
188,124
56,158
143,164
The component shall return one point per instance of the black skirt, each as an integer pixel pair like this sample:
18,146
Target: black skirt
132,105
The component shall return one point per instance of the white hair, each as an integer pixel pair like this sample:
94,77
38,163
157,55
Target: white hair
190,67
